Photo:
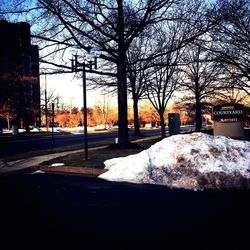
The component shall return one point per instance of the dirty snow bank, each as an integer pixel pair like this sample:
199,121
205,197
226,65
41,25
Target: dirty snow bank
193,161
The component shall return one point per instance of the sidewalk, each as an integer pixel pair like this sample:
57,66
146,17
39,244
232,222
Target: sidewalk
34,162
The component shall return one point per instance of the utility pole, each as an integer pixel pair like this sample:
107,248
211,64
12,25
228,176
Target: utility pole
77,66
70,104
46,101
53,115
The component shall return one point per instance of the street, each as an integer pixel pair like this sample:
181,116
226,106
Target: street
72,209
22,144
12,145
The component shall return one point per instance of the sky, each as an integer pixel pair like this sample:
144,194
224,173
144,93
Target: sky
67,86
196,161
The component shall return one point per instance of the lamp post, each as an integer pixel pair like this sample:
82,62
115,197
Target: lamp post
46,101
77,66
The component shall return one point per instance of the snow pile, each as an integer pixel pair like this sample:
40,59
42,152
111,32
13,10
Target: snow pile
193,161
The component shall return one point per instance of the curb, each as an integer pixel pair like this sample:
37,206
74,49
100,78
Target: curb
73,170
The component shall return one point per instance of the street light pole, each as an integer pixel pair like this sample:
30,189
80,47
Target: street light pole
85,112
46,101
75,64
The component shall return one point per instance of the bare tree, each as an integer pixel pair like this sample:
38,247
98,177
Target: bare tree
232,39
103,106
109,25
233,83
165,74
145,51
137,72
7,114
47,98
202,77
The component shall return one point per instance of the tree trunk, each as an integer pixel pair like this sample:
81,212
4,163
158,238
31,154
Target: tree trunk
1,126
198,117
122,80
27,128
162,123
122,105
137,131
8,122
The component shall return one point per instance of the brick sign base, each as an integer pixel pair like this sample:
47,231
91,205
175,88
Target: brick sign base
234,130
228,120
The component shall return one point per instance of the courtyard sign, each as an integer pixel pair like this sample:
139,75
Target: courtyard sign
228,112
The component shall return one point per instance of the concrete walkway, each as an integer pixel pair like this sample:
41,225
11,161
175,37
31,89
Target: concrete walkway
34,162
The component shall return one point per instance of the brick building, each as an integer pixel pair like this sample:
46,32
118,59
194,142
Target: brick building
19,76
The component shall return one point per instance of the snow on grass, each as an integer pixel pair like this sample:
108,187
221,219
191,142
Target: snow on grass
193,161
38,172
57,164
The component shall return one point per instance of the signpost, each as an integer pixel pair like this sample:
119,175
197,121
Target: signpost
229,119
53,116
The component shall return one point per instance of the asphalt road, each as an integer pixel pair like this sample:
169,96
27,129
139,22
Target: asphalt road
12,145
57,209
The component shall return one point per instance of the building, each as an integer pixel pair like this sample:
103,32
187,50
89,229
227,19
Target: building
19,77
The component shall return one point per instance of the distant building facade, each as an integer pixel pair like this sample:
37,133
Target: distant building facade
19,76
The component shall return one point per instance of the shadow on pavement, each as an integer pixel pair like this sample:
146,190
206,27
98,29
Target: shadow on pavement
59,209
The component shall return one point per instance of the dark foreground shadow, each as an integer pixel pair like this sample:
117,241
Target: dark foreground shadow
56,210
